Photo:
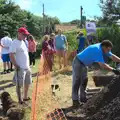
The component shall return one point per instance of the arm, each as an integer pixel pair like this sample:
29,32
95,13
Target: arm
105,66
115,58
12,58
35,43
4,46
77,38
66,44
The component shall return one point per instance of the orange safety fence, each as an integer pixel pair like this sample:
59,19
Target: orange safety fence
44,105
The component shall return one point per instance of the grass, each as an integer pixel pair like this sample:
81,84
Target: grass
6,85
46,102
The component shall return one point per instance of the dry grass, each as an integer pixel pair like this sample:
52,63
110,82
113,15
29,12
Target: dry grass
6,85
46,101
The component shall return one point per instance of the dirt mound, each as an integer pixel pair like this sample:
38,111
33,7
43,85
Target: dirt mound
110,111
104,97
104,105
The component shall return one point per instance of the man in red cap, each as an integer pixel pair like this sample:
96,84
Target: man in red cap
20,59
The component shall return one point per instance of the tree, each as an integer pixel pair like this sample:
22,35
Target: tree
12,17
111,10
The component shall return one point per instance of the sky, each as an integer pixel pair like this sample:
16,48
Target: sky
65,10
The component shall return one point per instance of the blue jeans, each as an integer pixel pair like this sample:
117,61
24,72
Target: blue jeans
79,80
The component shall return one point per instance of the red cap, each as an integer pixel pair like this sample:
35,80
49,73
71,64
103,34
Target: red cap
23,30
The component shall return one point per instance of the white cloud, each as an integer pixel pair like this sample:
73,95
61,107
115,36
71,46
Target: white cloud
25,4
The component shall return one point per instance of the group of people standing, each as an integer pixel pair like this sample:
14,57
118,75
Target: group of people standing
5,44
54,44
22,50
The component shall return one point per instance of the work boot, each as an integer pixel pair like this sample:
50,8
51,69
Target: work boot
8,71
76,103
83,100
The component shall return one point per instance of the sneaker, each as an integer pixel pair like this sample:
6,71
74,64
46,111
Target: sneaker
4,72
11,70
8,71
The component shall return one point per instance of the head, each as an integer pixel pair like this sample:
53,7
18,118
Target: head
46,38
30,37
59,31
81,33
106,46
52,36
22,33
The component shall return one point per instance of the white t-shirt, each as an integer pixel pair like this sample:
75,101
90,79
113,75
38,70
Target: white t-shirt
6,41
21,53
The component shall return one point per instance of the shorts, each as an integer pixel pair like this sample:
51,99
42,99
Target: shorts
23,76
5,58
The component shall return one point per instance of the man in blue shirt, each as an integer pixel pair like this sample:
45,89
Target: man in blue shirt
61,47
93,53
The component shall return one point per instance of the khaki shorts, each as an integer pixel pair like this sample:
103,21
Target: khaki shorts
23,76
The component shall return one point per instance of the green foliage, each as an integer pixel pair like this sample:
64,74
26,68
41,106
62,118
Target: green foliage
12,17
76,22
113,34
71,38
111,10
108,33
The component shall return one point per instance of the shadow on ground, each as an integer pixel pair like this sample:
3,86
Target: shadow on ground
35,74
6,86
5,81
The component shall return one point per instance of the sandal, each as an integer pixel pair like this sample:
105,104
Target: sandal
27,99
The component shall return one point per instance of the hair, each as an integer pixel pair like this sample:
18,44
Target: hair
45,37
81,33
107,43
52,34
59,30
30,37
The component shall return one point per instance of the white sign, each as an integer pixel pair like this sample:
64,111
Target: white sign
90,27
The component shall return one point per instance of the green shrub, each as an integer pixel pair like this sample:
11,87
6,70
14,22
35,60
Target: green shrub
71,38
113,34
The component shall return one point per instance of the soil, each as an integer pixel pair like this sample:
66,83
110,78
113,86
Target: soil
102,106
61,99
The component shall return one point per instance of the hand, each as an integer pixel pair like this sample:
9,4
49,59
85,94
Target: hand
17,67
117,72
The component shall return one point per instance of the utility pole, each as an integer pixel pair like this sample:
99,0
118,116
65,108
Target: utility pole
43,19
81,12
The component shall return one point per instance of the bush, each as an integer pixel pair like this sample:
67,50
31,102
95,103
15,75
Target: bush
113,34
71,38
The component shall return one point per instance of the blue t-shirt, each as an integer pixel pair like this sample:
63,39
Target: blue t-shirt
91,54
81,45
60,42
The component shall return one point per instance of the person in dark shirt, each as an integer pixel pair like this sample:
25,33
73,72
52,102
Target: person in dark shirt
81,42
